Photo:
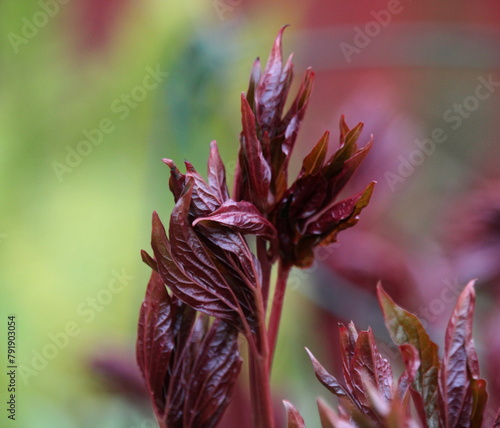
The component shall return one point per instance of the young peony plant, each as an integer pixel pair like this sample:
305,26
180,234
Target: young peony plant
207,287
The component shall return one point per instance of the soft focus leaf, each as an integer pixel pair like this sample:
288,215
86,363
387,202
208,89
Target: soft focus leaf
294,418
327,380
405,328
367,359
412,364
463,393
328,417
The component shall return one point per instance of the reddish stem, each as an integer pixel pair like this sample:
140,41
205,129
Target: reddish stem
276,309
260,385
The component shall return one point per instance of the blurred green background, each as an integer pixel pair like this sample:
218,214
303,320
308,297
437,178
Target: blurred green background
92,97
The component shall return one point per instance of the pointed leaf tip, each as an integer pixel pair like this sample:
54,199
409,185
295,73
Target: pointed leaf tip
295,420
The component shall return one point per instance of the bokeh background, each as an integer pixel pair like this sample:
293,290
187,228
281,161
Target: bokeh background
93,94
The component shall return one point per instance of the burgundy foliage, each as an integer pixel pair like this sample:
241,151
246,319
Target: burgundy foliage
444,393
208,288
190,367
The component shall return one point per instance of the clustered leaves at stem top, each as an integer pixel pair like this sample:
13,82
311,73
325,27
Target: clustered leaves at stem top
307,213
207,286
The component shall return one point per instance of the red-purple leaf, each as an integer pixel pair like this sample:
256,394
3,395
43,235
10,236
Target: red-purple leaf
193,280
254,81
368,360
338,180
252,162
463,393
339,215
189,369
217,174
177,180
273,86
293,415
146,258
412,364
203,199
241,217
155,340
329,381
405,328
296,113
314,161
348,337
213,376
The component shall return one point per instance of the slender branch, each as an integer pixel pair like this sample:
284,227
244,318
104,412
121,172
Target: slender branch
276,309
259,363
261,391
265,266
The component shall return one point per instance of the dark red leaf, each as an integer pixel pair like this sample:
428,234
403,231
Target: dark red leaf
193,280
295,114
273,86
241,217
251,160
146,258
217,174
254,81
338,216
155,340
344,174
294,418
212,377
177,180
203,198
